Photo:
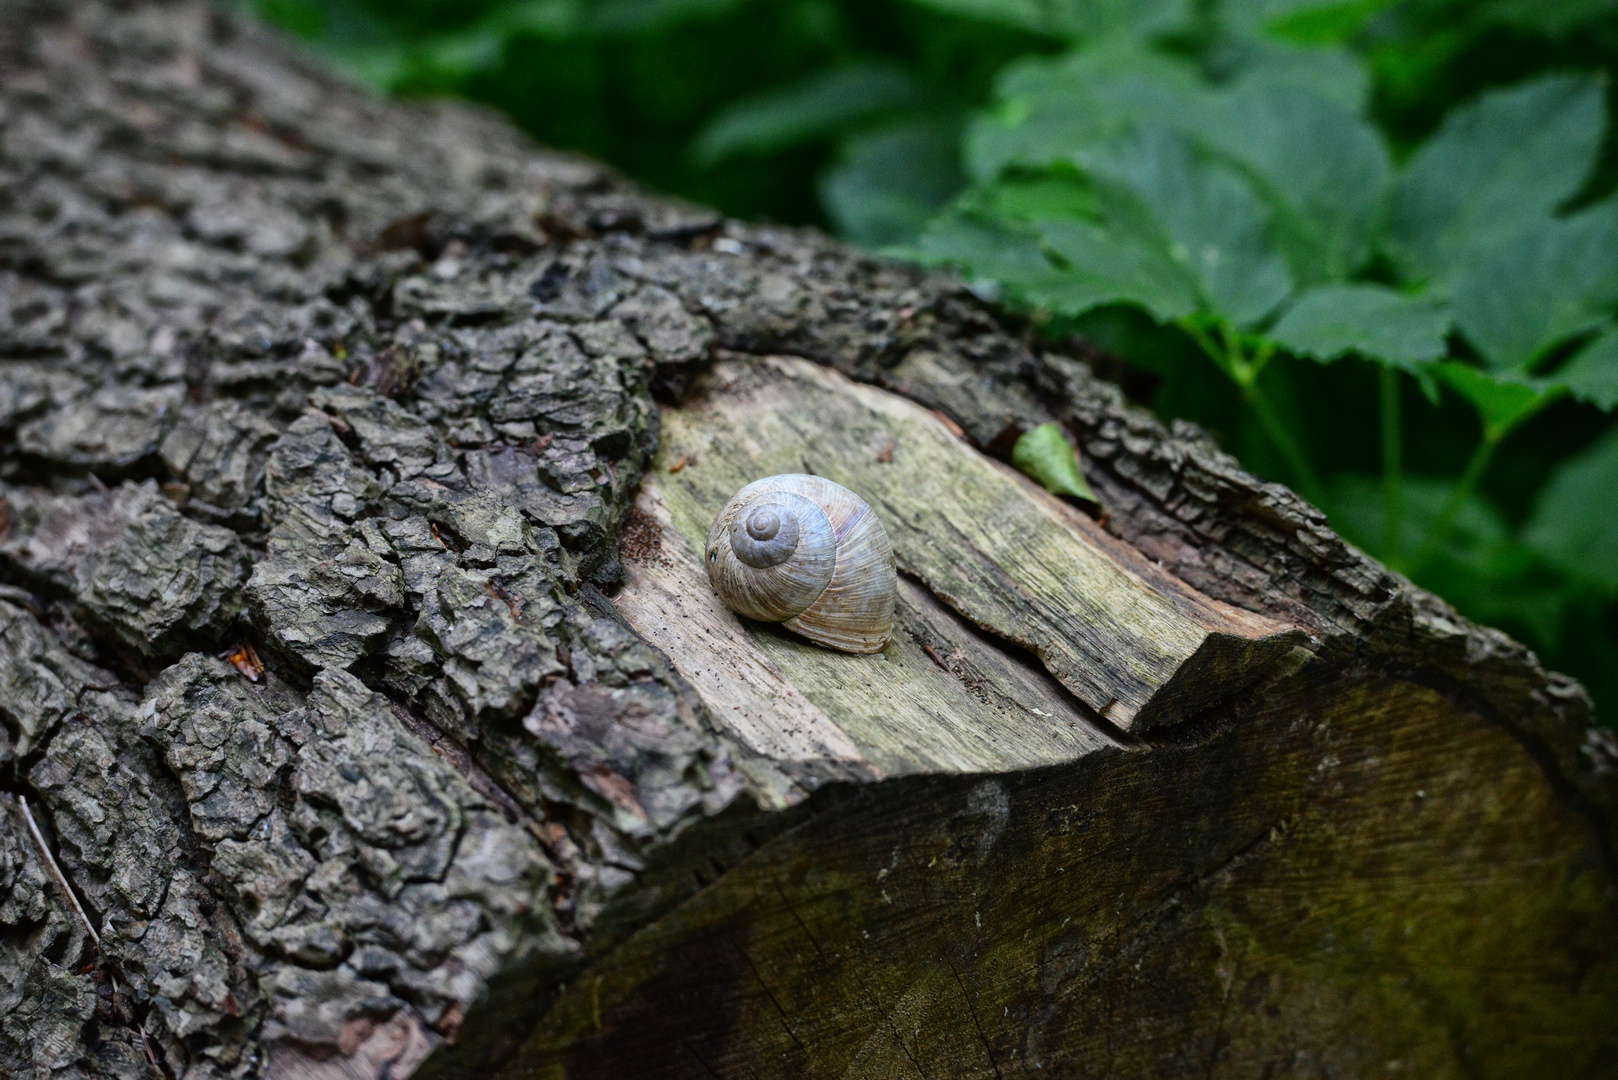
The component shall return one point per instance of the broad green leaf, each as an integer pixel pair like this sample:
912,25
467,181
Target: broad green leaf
1170,232
1575,519
1359,505
1041,197
1333,73
305,18
1502,400
888,183
1123,256
1318,22
985,249
1316,162
1550,280
1552,18
1321,167
1373,321
1592,374
382,66
464,54
1123,260
1047,110
1509,155
1073,19
1193,214
824,104
645,16
562,19
1045,454
1307,23
554,19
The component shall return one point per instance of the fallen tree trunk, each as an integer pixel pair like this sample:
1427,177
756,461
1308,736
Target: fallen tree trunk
366,714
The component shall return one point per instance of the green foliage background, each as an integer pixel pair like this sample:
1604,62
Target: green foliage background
1372,244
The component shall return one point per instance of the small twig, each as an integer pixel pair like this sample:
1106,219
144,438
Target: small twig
56,871
72,898
146,1045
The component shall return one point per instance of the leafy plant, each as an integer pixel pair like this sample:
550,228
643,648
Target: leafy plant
1256,210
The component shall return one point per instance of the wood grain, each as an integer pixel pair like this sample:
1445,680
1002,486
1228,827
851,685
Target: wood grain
972,709
1133,645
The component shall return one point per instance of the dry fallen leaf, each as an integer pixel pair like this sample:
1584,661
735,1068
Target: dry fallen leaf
244,658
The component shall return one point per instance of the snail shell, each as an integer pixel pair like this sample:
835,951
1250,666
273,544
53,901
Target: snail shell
809,554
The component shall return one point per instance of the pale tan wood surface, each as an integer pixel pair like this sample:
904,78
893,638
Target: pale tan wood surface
1004,586
972,709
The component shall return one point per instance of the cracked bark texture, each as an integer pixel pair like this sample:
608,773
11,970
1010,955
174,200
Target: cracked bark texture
365,390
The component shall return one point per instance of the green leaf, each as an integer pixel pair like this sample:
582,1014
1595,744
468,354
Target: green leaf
1551,279
1574,523
1480,568
385,66
1508,155
460,55
1181,212
1373,321
1073,19
1124,260
1333,73
615,17
1315,160
1320,165
1301,21
824,104
1045,454
1172,232
305,18
1011,257
888,183
1592,374
1164,228
1502,400
1048,112
1318,22
552,19
1551,19
1042,197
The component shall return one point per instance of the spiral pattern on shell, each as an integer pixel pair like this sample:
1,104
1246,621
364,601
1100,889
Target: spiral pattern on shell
805,552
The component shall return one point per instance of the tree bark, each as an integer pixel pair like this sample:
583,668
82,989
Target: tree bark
365,714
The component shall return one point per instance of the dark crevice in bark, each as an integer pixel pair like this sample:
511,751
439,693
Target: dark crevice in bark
446,747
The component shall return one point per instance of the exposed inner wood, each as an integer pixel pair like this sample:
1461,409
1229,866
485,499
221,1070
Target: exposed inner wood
973,708
1132,644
